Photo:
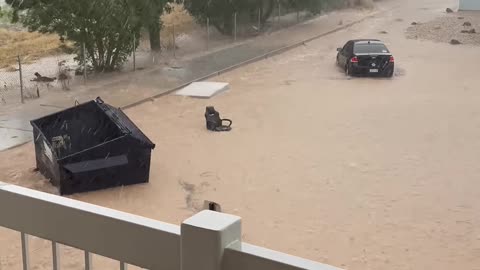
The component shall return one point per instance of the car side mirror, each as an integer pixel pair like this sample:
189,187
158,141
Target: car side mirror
339,49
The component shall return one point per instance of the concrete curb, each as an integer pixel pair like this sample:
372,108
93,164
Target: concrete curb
253,60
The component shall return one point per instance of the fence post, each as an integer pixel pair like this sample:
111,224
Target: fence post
204,238
235,27
279,14
208,33
21,78
259,19
134,52
174,42
84,55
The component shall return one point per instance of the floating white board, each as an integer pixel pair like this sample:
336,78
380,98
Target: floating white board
203,89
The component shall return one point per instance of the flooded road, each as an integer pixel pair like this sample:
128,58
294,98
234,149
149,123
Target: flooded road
358,173
125,88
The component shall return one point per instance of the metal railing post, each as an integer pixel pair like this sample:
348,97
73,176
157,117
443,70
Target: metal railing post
25,251
21,78
88,261
123,266
55,256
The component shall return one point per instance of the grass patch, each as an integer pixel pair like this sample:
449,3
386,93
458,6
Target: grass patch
29,45
178,17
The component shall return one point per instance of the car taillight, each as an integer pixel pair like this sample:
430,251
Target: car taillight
354,60
392,59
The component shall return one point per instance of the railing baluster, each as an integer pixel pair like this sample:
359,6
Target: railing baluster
55,256
88,261
25,252
123,266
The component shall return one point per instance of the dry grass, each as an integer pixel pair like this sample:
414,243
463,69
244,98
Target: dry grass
178,18
30,45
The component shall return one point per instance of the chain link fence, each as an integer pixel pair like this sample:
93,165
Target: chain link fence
24,77
182,36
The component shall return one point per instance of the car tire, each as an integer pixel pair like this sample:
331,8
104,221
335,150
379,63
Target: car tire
348,71
390,73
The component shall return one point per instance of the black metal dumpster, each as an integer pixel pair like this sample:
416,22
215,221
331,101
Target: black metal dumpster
89,147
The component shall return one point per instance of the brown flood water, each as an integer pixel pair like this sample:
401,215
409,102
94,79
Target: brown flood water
358,173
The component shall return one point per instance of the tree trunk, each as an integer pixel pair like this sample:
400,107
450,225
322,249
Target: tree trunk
267,11
224,25
154,34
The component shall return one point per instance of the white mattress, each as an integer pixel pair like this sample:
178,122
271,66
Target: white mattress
203,89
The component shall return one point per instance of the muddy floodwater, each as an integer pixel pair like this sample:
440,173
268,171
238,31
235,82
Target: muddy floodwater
358,173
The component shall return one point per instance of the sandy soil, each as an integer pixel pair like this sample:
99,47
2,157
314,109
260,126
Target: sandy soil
358,173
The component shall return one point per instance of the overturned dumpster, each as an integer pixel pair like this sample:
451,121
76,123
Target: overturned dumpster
89,147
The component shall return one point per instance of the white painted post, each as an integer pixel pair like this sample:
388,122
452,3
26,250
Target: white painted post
25,251
55,256
204,238
88,260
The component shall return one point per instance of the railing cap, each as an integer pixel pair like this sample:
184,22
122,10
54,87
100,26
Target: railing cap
211,220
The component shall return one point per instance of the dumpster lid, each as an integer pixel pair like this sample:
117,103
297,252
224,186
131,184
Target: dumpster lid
124,123
116,115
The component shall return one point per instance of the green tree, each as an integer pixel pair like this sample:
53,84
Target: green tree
106,27
221,12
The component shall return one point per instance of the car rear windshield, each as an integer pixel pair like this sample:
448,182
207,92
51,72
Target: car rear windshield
370,48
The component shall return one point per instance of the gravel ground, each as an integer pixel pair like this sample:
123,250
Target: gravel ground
448,27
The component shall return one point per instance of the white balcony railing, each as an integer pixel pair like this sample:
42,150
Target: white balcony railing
207,241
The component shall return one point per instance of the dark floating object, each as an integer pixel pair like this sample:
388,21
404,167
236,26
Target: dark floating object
455,42
214,122
212,206
89,147
471,31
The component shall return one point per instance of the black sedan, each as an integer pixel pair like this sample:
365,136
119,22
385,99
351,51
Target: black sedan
366,57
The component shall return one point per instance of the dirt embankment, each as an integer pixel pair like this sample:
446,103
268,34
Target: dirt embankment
463,27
